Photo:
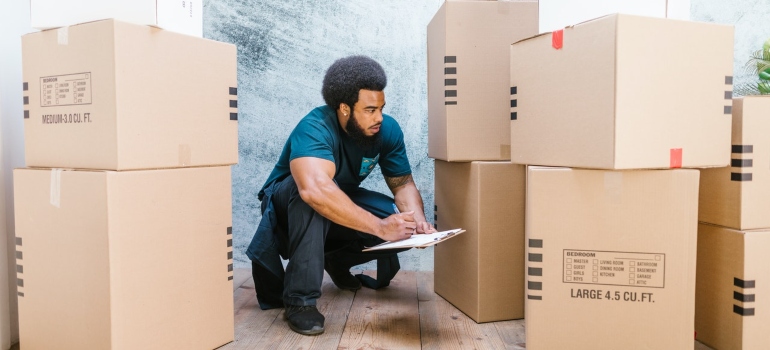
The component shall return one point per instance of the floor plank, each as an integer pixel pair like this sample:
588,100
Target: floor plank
251,322
512,334
443,326
384,319
334,304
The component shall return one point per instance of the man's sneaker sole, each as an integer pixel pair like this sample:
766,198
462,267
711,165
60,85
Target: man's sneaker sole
313,331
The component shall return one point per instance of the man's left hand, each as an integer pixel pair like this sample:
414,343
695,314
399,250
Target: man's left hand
425,227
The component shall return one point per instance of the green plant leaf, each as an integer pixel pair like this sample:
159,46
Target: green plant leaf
764,88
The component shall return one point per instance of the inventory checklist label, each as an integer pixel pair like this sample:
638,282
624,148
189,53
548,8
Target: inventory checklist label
65,90
614,268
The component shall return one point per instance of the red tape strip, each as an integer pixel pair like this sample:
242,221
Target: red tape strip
557,39
676,158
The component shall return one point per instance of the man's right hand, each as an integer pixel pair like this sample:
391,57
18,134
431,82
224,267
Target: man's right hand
398,226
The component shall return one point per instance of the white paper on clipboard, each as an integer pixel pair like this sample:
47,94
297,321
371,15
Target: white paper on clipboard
418,241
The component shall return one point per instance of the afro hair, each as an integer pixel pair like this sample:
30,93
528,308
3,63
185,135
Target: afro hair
347,76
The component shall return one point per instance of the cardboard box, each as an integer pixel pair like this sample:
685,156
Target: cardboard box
118,96
557,14
610,258
467,69
739,196
731,295
124,260
481,272
184,16
613,95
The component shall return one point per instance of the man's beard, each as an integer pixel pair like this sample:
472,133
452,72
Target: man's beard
358,134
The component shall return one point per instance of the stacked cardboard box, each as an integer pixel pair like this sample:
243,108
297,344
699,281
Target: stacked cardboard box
124,236
734,236
476,187
611,242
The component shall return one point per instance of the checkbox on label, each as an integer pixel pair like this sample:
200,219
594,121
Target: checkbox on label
631,275
569,272
569,260
569,266
596,279
631,282
596,267
632,269
596,273
569,278
632,263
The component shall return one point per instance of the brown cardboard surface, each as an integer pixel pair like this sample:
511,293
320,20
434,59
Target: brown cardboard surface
149,98
577,219
731,294
737,196
127,260
481,271
612,97
468,65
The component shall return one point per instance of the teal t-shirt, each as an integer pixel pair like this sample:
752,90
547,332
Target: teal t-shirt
320,135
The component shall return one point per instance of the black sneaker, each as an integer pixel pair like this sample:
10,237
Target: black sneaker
305,320
341,277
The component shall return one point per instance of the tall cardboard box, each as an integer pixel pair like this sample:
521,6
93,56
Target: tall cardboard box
481,272
118,96
124,260
732,293
623,92
467,77
610,258
739,196
557,14
184,16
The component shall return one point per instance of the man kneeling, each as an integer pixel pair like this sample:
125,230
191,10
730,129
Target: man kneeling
313,211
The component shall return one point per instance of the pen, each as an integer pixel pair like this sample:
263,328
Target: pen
395,208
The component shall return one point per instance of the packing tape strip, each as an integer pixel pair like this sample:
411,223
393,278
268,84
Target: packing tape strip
557,39
56,187
63,34
675,158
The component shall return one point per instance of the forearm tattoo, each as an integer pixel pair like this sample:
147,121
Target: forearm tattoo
396,182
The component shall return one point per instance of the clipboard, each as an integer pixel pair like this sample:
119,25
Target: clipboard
418,241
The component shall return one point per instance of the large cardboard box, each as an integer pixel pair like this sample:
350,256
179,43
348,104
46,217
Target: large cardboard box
124,260
732,295
557,14
481,272
739,196
610,258
623,92
467,68
118,96
180,16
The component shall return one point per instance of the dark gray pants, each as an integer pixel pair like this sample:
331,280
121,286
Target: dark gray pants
307,238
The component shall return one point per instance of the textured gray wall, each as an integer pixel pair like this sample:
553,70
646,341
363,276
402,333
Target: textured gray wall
284,48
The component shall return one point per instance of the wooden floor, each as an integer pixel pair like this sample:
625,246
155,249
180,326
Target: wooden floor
405,315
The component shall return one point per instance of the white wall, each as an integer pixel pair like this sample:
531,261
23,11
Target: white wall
14,22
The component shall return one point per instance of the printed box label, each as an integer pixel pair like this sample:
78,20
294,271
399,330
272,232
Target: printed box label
614,268
65,90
